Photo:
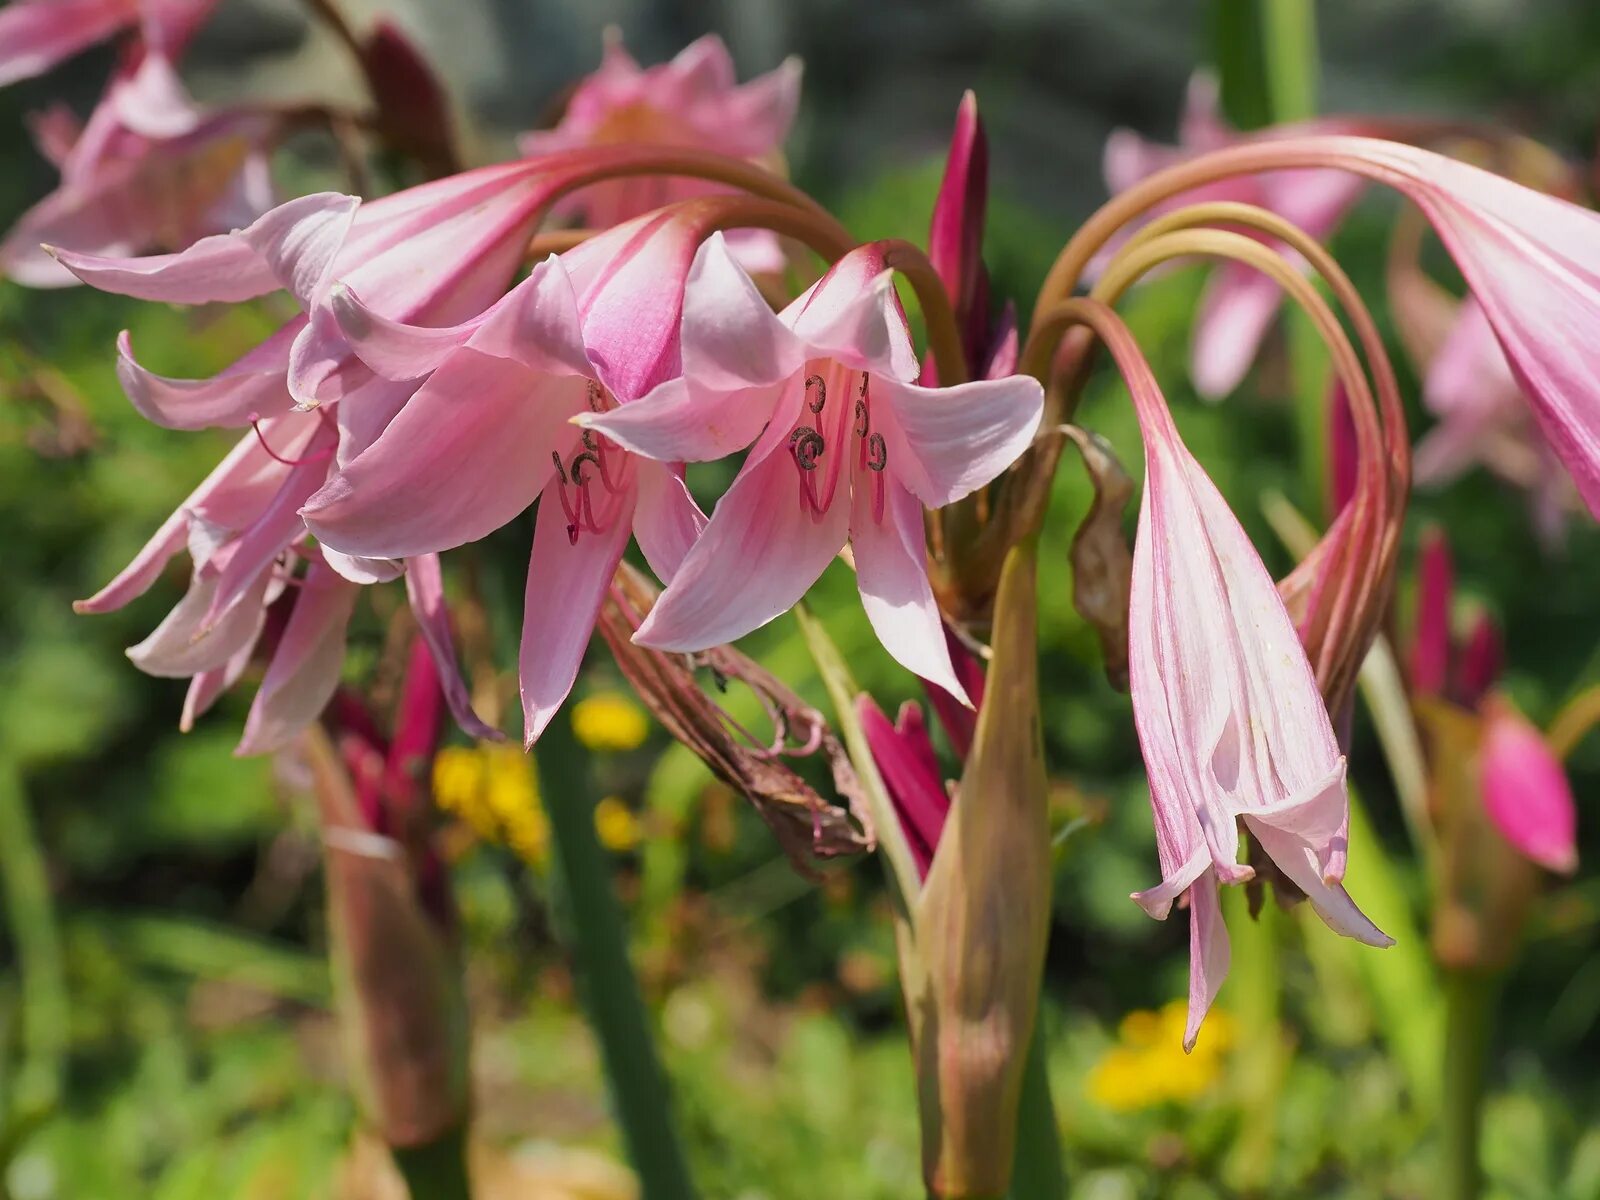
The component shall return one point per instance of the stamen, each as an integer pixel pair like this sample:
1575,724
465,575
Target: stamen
318,457
863,412
596,397
817,405
555,457
877,453
577,463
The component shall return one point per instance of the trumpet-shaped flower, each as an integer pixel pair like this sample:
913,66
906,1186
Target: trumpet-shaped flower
37,34
693,101
846,450
1229,716
147,171
1240,303
489,430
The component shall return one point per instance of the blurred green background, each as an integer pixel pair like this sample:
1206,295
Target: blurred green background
165,897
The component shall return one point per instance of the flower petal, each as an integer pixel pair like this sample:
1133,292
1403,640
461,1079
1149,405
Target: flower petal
1236,311
425,590
306,665
1209,954
666,520
186,644
757,556
36,36
567,582
944,443
299,241
892,574
251,388
465,455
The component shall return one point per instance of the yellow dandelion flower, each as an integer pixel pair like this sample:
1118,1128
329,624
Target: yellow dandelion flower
494,790
609,721
1147,1066
616,825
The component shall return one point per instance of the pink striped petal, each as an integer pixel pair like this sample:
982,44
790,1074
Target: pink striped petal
425,590
1236,311
945,443
306,664
892,575
37,34
251,388
567,582
187,642
666,520
756,557
468,452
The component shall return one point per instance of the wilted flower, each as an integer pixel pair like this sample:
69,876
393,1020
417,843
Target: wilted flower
149,170
694,100
847,450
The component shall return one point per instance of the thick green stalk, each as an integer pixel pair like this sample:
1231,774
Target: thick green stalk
610,992
1469,1024
437,1171
1036,1172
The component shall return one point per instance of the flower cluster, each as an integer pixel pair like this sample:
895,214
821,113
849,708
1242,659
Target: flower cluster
463,353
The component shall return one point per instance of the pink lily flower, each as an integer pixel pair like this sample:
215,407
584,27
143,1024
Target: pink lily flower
489,431
1230,720
1524,788
1240,303
1483,418
148,170
694,100
847,450
434,254
35,35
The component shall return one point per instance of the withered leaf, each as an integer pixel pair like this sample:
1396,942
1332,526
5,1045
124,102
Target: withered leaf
807,827
1102,566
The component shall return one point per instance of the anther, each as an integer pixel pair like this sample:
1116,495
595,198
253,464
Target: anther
596,399
877,452
561,472
816,381
590,443
806,444
577,463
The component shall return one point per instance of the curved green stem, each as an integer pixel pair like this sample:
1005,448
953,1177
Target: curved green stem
1036,1171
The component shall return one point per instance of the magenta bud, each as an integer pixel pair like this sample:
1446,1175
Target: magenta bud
1479,661
955,235
905,757
1525,791
413,110
1430,644
1343,454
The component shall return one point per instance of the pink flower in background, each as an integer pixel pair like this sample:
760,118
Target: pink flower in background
1525,790
1484,419
489,431
35,35
147,171
1240,303
1523,787
846,450
693,101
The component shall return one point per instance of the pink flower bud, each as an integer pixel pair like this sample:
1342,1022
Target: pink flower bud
1525,791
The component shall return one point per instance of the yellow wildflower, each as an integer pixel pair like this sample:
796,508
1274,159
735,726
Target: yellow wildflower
494,790
609,721
616,825
1148,1067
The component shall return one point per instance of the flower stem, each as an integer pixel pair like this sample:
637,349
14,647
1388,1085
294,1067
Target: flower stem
608,987
1036,1172
438,1170
1469,1024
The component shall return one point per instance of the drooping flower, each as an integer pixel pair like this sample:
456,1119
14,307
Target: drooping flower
847,450
1230,720
694,101
147,171
35,35
489,430
1240,303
